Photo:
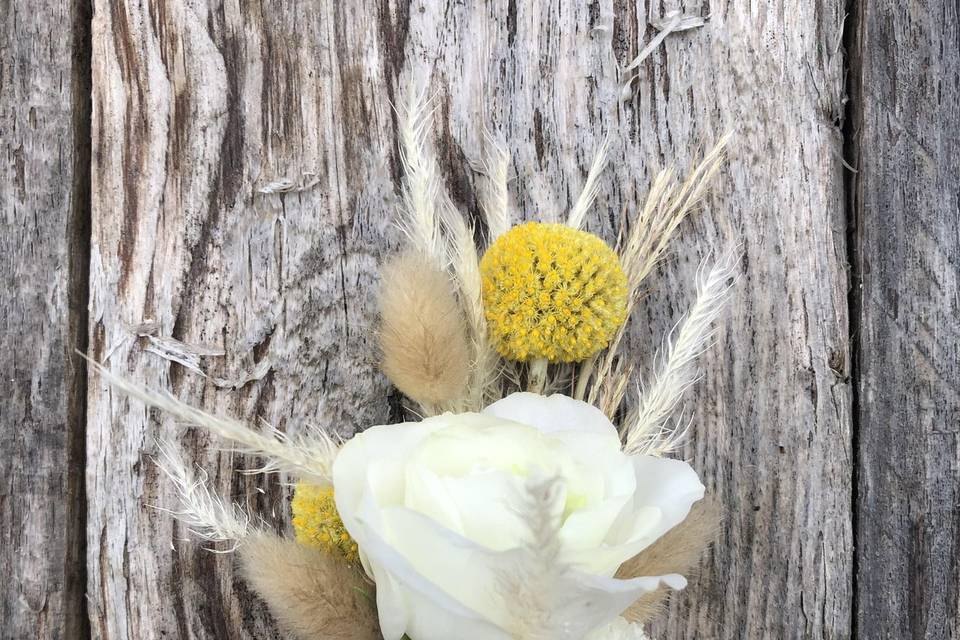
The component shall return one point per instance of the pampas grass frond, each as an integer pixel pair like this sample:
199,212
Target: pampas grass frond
422,188
423,336
530,589
204,513
666,206
591,187
484,361
678,551
309,456
615,388
311,594
643,430
545,598
494,200
438,231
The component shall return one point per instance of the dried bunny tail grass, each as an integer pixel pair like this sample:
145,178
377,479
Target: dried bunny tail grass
666,206
677,551
421,189
643,430
423,336
205,514
494,199
438,231
591,187
311,594
484,361
309,457
530,589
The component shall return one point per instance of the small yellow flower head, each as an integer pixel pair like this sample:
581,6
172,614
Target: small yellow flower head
317,524
553,292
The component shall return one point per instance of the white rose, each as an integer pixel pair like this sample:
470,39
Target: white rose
620,629
436,508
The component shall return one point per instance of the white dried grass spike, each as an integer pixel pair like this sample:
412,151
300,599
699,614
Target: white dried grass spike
205,514
677,372
421,190
309,457
591,187
494,199
530,588
666,206
484,366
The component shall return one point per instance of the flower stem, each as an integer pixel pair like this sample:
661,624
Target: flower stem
583,377
537,375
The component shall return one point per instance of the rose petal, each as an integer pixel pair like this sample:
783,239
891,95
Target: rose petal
412,603
551,414
666,489
474,577
489,508
670,485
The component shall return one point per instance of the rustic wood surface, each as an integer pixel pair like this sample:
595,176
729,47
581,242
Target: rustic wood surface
199,107
908,396
242,183
44,178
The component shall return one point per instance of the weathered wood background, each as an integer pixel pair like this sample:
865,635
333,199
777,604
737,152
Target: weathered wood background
143,145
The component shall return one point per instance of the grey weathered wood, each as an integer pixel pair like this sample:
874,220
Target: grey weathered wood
772,421
197,105
43,203
908,239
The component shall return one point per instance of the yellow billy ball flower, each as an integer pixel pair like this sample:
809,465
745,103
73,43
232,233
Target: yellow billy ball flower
317,524
552,292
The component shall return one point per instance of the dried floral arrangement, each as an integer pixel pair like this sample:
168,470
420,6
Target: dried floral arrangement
527,502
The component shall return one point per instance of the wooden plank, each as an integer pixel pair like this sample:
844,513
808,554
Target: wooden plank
44,204
195,110
908,247
772,414
198,105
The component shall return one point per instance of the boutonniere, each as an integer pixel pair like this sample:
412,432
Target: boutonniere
532,498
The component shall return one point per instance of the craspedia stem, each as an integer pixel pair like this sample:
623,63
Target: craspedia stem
537,375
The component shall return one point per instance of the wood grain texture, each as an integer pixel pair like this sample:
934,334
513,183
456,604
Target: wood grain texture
199,105
196,108
908,234
43,204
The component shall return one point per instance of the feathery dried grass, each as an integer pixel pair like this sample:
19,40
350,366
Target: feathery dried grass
591,187
666,206
530,591
423,335
422,187
309,456
466,270
311,594
678,551
440,233
205,514
644,429
493,193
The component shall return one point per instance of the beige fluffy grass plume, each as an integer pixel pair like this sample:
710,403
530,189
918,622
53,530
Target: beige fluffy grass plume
423,335
311,594
678,551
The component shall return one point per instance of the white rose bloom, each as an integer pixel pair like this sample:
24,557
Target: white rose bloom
620,629
437,509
